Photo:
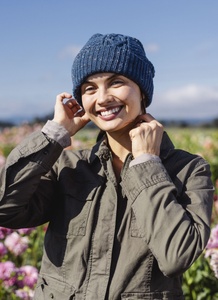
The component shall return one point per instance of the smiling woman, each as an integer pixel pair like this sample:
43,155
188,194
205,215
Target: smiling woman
127,217
112,102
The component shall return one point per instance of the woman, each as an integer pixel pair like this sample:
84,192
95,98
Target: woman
127,217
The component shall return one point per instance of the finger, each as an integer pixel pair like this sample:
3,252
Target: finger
146,118
62,96
134,132
149,119
85,118
80,112
72,103
75,107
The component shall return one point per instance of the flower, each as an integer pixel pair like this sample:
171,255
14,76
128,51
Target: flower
16,244
25,293
212,250
27,276
214,262
26,230
8,274
213,240
3,249
4,232
20,281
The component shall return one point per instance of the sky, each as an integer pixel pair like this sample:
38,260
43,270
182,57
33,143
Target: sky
39,40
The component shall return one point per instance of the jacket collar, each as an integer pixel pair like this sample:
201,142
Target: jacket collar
166,146
100,149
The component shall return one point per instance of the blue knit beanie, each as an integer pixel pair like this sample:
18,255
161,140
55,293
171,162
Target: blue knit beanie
114,53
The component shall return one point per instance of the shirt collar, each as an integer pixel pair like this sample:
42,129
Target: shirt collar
101,148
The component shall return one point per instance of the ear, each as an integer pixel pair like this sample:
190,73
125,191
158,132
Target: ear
142,95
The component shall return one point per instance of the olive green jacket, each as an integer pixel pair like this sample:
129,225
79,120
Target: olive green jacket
130,239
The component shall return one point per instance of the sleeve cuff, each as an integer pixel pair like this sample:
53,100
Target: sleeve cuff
58,133
143,158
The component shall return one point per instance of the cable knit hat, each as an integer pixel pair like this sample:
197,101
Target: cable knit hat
114,53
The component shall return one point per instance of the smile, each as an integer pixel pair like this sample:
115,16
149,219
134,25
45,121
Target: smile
108,112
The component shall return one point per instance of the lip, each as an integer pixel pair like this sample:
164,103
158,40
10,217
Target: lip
109,113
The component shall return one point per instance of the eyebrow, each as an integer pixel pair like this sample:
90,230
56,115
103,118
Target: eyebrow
109,78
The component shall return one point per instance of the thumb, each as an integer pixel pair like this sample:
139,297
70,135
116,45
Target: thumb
85,118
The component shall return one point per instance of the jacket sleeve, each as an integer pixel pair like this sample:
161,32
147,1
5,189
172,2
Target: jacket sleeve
174,219
27,182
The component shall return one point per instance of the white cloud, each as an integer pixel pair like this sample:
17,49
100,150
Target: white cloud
190,101
69,52
192,92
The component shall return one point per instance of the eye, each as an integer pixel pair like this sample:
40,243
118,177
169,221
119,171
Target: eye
117,82
88,89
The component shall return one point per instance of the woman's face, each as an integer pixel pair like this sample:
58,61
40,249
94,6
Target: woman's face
111,101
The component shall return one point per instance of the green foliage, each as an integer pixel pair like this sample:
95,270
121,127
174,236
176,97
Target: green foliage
6,149
199,282
33,254
203,142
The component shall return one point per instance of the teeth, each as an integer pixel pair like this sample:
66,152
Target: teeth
110,111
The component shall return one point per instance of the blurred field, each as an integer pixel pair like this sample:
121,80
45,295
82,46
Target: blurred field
202,141
199,282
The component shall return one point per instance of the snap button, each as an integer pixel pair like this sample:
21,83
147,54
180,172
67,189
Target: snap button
51,296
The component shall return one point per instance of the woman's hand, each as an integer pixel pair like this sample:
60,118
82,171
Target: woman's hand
146,137
69,113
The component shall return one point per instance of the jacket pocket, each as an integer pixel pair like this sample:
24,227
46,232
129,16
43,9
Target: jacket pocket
79,209
50,288
72,213
152,296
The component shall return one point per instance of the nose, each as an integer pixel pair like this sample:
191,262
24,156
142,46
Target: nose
103,96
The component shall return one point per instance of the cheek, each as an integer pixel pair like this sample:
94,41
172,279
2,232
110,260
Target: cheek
86,103
134,101
88,107
134,107
131,95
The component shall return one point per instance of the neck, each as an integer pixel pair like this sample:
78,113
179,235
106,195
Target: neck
120,146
